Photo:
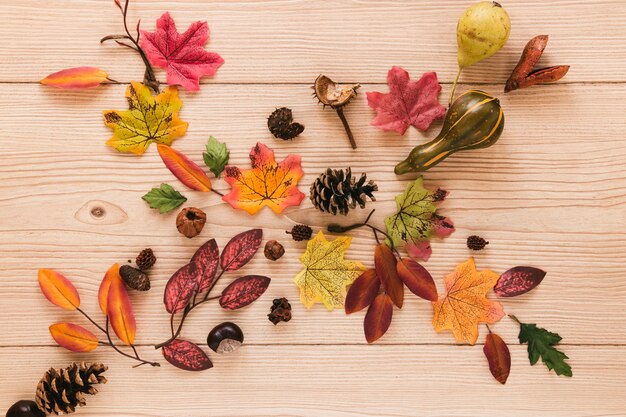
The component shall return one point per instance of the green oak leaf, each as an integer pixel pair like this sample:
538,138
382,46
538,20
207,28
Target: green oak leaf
540,345
165,198
216,156
413,220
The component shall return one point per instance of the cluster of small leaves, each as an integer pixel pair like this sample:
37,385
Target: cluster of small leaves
191,286
381,288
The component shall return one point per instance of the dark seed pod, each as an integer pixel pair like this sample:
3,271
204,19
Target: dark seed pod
146,259
280,311
135,278
476,242
225,338
25,408
190,221
282,126
300,232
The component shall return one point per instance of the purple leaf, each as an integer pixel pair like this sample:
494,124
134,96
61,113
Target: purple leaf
186,355
180,288
241,249
517,281
243,291
205,261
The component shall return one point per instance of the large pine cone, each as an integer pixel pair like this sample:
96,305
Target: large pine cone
337,191
61,391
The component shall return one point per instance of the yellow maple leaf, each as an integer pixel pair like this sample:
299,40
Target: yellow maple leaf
326,273
464,303
267,183
148,119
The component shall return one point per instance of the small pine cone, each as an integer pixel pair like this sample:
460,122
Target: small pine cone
146,259
337,191
282,126
190,221
273,250
280,311
135,278
60,391
476,242
300,232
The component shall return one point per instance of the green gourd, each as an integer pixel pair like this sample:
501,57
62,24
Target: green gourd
475,120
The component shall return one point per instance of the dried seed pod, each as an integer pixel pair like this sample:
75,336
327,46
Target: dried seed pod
300,232
225,338
273,250
190,221
146,259
135,278
280,311
476,242
336,96
282,126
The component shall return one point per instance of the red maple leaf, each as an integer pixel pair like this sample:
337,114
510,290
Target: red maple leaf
183,56
407,103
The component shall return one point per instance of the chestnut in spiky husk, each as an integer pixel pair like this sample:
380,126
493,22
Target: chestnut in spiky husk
25,408
225,338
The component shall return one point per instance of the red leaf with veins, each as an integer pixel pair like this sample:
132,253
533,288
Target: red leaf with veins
182,55
408,102
517,281
205,262
243,291
180,288
186,355
362,291
241,249
497,353
378,318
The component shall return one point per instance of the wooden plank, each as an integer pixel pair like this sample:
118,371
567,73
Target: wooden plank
273,41
537,196
341,381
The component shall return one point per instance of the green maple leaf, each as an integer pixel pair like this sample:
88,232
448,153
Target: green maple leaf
216,156
541,345
413,220
165,198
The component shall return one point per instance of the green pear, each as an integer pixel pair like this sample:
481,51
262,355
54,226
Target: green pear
481,32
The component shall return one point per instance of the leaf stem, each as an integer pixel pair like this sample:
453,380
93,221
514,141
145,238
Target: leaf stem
515,318
456,80
217,192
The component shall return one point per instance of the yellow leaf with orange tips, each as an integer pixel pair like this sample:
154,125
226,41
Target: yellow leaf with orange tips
120,312
148,119
267,183
73,337
464,304
58,289
103,292
76,78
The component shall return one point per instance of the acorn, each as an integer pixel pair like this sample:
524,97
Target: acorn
225,338
25,408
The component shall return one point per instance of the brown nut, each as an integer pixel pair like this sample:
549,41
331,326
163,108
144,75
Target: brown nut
273,250
190,221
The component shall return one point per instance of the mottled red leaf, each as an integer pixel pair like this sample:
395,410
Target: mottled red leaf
518,281
241,249
362,291
385,263
183,55
498,356
417,279
407,103
243,291
180,288
378,318
205,261
186,355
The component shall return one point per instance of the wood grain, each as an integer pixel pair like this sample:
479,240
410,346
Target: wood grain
551,194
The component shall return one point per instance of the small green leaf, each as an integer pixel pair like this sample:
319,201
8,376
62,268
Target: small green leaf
216,156
414,219
540,345
164,198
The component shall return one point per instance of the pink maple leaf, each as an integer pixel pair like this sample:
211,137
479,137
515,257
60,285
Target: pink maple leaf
407,103
182,55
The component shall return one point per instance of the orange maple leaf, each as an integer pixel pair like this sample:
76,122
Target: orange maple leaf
464,304
266,183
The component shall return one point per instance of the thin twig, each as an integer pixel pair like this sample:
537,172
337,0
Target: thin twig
217,192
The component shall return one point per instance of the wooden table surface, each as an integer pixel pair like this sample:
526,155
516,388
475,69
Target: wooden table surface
551,194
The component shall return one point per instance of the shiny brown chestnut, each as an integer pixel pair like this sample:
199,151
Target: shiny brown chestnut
225,338
25,408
